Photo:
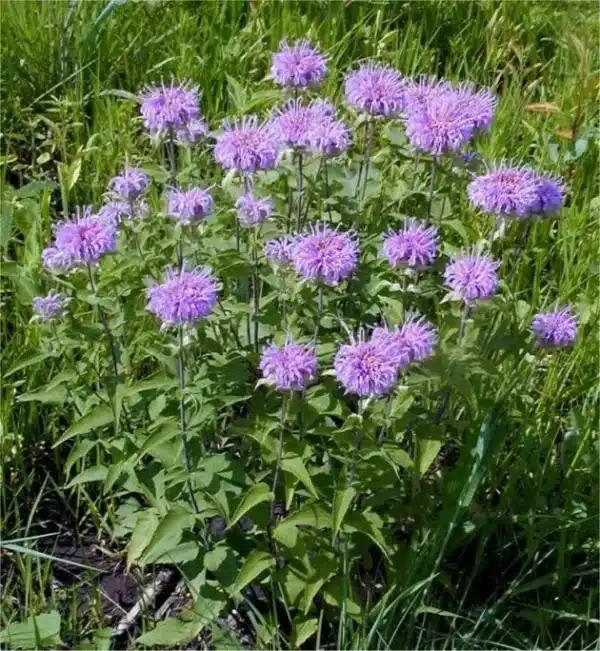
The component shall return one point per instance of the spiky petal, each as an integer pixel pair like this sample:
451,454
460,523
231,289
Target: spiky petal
325,255
253,211
472,277
80,241
366,368
290,367
300,65
188,206
185,296
51,306
375,89
130,184
172,112
279,251
555,329
414,246
247,145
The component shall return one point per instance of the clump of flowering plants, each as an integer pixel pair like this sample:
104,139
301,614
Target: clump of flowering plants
263,379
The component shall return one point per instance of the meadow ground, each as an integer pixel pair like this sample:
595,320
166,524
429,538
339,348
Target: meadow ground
504,551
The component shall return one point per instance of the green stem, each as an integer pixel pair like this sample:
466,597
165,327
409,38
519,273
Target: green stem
345,560
319,314
255,286
70,395
437,418
432,186
288,223
172,156
279,455
180,248
107,331
361,166
283,300
299,183
271,540
183,431
327,191
367,163
132,229
182,418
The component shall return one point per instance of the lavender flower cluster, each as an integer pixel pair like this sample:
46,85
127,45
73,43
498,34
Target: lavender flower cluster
440,118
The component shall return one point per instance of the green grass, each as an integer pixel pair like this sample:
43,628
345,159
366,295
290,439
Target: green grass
514,552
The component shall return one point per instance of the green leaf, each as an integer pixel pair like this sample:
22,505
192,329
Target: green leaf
215,557
427,451
210,601
95,473
224,640
145,526
370,524
99,417
162,382
333,596
56,394
168,534
34,632
257,494
103,639
302,629
79,450
296,467
28,360
171,632
162,435
458,227
184,553
311,515
256,563
341,503
221,560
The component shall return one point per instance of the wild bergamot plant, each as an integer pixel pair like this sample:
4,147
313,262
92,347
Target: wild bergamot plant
275,386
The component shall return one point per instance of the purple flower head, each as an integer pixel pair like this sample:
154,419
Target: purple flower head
415,341
194,131
80,241
391,342
51,306
442,123
170,111
290,367
479,104
188,206
472,276
375,89
419,337
184,297
253,211
415,246
298,66
418,93
366,367
505,191
295,121
279,251
115,212
130,184
549,195
555,329
329,137
323,108
325,255
247,145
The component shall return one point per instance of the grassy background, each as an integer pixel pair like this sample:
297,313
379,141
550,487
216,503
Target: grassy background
67,124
